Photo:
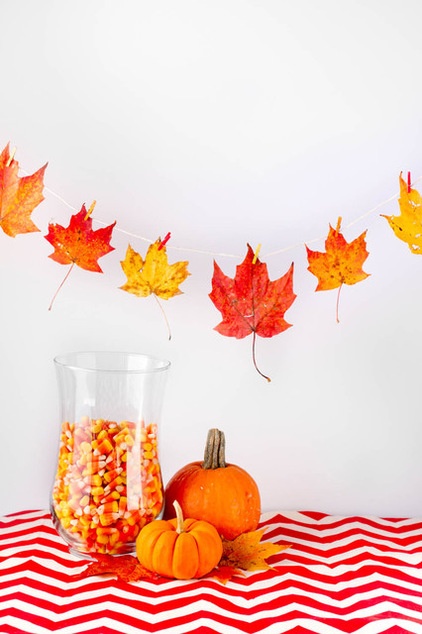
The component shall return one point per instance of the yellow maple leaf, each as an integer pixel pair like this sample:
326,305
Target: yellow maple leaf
408,225
153,275
247,552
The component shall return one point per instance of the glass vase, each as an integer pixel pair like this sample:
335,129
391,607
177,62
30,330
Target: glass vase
108,481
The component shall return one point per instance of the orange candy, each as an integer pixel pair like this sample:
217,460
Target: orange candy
108,484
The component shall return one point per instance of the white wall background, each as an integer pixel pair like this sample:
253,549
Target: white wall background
224,122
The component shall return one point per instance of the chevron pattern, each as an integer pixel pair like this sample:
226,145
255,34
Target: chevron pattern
341,574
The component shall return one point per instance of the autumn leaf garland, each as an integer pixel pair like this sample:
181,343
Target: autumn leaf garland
250,303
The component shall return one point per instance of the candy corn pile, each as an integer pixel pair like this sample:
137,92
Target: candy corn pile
108,484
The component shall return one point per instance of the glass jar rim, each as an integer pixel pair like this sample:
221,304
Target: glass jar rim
111,361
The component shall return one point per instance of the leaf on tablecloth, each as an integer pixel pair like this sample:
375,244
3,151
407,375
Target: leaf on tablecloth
247,552
225,573
125,567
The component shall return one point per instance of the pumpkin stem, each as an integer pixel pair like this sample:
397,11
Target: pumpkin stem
179,516
215,450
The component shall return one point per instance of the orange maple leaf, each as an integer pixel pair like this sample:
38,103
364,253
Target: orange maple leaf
153,275
18,196
251,303
340,264
408,225
79,243
248,552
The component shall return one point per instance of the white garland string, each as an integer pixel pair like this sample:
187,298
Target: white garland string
232,255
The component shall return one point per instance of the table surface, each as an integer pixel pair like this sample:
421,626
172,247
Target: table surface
341,574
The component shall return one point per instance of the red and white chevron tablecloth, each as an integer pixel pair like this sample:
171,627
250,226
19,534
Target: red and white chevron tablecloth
341,574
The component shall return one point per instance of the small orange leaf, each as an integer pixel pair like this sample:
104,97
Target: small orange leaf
408,225
79,243
248,552
340,264
18,196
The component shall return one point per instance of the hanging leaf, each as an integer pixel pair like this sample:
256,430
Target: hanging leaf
340,264
251,303
154,275
247,552
125,567
408,225
79,243
18,196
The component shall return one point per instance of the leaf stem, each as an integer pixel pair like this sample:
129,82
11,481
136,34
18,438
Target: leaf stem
63,281
254,357
164,315
338,301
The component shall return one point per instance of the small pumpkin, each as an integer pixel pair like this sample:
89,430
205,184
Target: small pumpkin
223,494
179,548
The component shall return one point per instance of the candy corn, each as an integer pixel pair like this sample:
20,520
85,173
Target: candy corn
108,484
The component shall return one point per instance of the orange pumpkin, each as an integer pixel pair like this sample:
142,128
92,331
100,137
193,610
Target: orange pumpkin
223,494
178,548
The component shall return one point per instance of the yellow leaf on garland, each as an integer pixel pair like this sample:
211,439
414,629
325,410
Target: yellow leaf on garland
154,275
408,225
247,552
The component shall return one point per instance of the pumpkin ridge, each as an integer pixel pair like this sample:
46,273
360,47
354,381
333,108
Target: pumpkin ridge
185,560
163,551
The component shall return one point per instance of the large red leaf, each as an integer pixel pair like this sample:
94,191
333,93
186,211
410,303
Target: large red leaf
251,303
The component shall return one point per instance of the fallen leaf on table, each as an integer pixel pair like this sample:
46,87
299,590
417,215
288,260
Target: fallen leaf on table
79,243
18,196
125,567
250,302
408,225
225,573
247,552
340,264
153,275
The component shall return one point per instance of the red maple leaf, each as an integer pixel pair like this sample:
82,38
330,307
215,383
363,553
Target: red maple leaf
251,303
79,243
125,567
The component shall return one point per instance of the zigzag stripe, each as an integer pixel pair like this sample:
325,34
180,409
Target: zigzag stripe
205,618
340,575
